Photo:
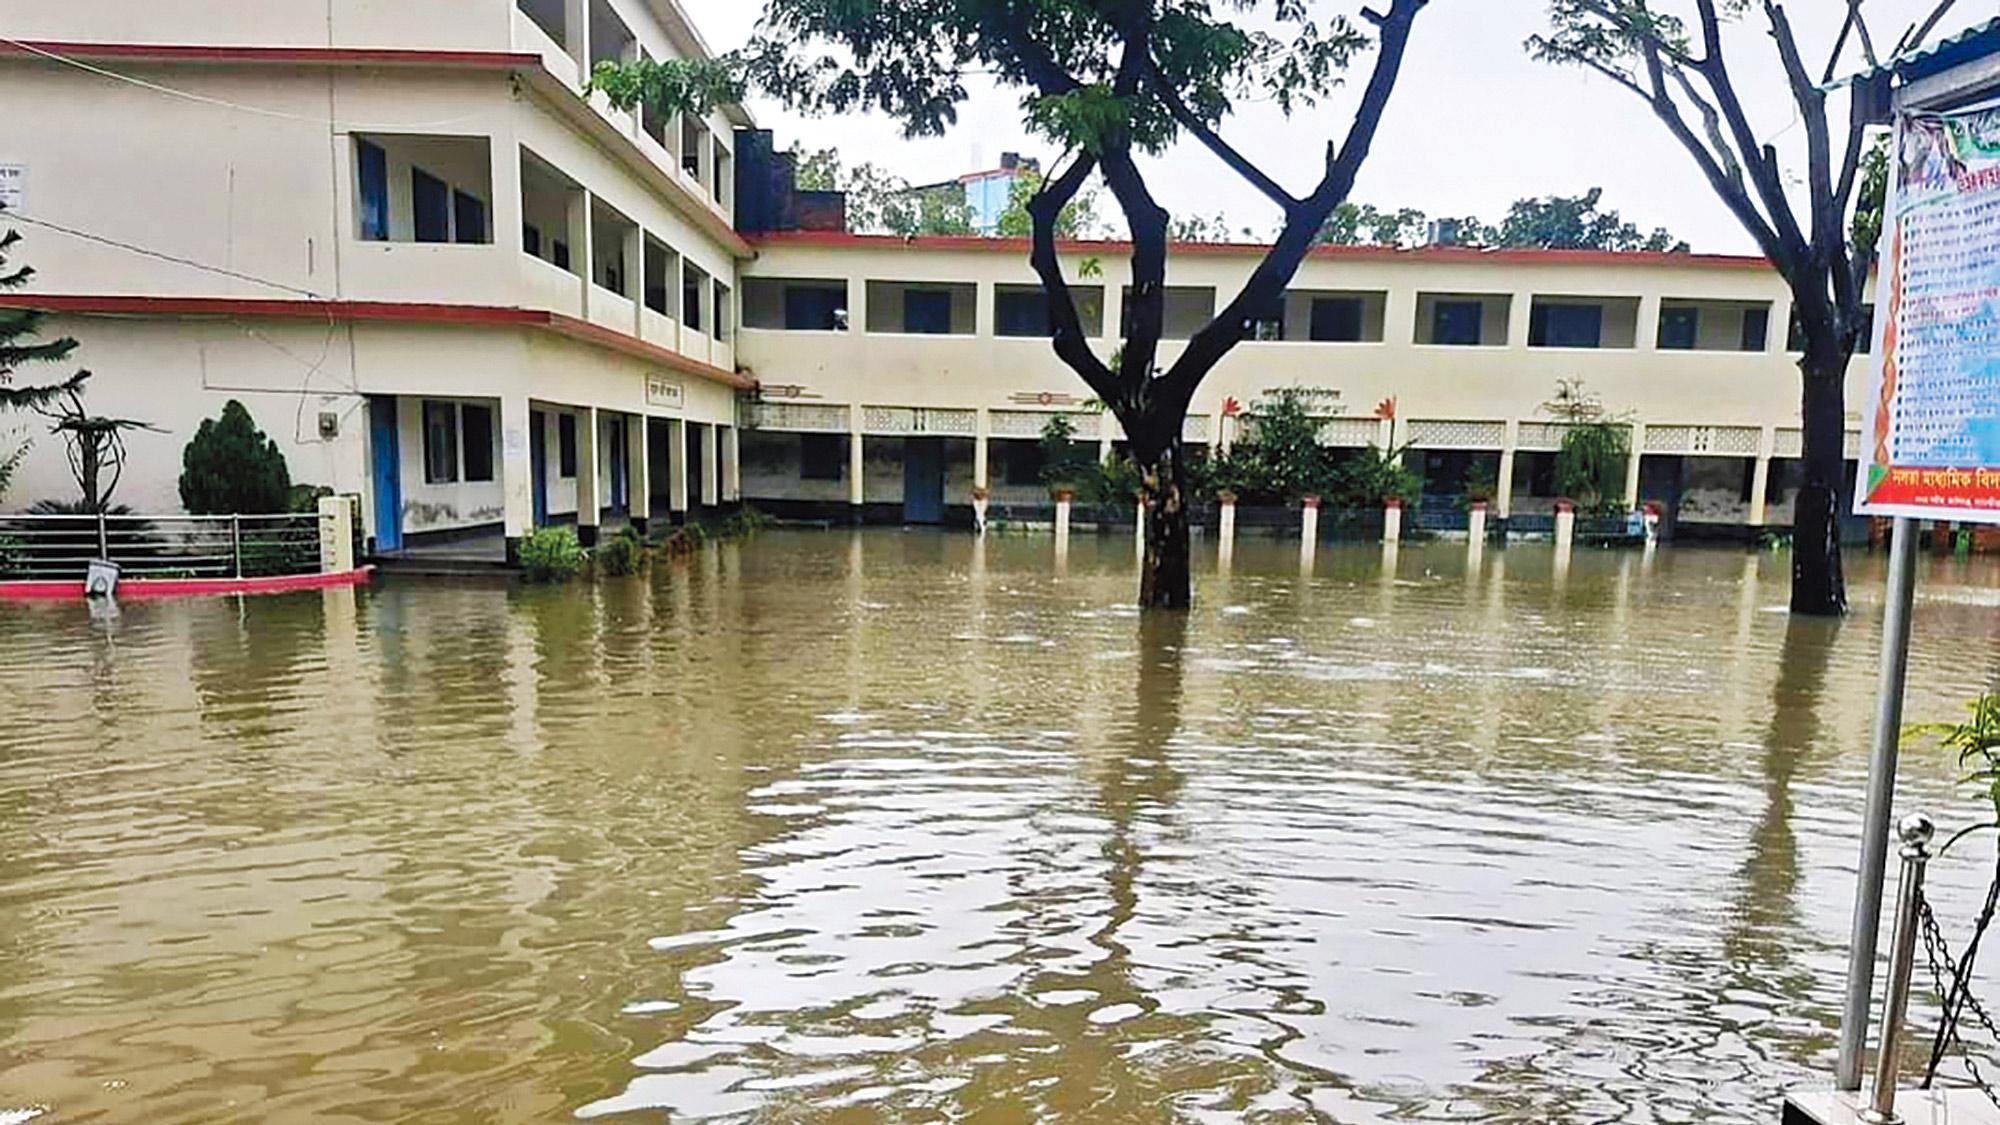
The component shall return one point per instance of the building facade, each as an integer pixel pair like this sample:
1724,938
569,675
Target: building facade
437,274
446,280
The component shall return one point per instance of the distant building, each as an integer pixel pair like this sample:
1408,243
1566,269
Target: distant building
987,193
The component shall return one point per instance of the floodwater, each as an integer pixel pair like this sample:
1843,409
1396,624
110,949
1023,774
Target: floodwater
897,827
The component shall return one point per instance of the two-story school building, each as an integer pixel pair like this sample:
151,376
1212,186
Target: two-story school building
446,280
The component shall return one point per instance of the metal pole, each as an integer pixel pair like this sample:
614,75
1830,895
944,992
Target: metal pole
1916,831
236,542
103,539
1881,798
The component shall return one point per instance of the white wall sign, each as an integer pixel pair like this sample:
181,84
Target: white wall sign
14,187
668,394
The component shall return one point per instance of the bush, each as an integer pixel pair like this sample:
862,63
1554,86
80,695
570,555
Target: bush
620,555
229,468
552,555
745,523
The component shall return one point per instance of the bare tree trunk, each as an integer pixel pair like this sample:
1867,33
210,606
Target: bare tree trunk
1165,576
1819,586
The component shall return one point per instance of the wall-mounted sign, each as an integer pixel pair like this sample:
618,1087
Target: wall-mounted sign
665,393
1931,448
14,187
769,391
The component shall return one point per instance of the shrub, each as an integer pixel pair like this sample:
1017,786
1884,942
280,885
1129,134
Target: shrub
745,523
552,555
229,467
1371,476
620,555
1065,463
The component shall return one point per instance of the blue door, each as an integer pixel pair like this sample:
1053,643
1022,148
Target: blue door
923,480
538,463
386,449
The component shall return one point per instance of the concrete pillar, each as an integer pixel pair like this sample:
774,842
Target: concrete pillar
982,439
983,297
1308,531
336,534
1760,477
1392,521
711,468
1225,432
1503,496
1064,498
979,502
1648,337
677,469
1638,454
576,34
1139,533
732,464
856,496
634,274
1475,525
1565,528
517,474
1226,527
638,474
589,482
1520,313
1107,428
579,244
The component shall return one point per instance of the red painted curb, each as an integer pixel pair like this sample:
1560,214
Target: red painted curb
138,588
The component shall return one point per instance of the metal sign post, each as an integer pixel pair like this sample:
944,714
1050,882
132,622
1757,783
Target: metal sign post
1879,808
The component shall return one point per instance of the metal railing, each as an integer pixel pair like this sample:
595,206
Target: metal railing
61,547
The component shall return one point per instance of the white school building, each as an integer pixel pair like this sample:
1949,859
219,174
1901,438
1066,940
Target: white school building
446,281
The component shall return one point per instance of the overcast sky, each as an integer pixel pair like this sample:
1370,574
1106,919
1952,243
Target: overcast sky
1474,125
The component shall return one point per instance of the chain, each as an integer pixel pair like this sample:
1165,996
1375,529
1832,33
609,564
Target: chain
1938,953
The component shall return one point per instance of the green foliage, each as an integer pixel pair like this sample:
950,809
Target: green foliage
881,202
745,523
1115,483
670,86
229,467
1065,462
1372,476
13,554
552,555
275,557
620,554
10,463
1077,219
18,331
303,499
1590,465
1977,743
1874,196
1554,222
1482,483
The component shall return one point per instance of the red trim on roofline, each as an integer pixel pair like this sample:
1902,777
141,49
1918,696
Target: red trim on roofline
291,56
838,239
379,312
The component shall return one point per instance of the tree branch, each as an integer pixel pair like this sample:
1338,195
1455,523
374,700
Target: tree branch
1066,326
1919,32
1728,184
1203,132
1758,158
1828,243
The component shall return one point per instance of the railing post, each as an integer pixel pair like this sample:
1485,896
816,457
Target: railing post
1916,831
236,542
103,537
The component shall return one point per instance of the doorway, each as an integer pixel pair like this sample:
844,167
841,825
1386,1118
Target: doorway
923,480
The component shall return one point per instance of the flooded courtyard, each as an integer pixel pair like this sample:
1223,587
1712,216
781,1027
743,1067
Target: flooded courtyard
905,826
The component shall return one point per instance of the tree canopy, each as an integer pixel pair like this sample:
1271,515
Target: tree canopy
881,202
1554,222
20,346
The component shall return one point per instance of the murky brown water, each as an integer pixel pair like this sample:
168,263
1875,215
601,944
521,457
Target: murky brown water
891,827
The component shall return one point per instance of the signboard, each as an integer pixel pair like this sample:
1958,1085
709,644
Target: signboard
1931,443
14,187
665,393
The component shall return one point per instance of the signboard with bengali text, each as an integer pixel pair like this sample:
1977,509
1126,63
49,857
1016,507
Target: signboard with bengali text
1931,441
665,393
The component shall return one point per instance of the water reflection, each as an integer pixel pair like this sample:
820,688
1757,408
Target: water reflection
900,826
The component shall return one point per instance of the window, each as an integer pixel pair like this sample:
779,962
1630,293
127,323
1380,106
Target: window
1268,323
531,239
431,202
1756,329
469,218
566,446
440,443
1456,323
1021,312
724,315
813,309
1566,326
691,286
927,312
475,424
822,456
372,165
559,254
1336,320
1021,462
1679,327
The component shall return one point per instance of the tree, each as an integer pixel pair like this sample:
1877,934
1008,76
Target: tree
19,329
1077,219
230,468
1590,465
1356,224
95,446
1107,81
1679,69
1560,222
881,202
